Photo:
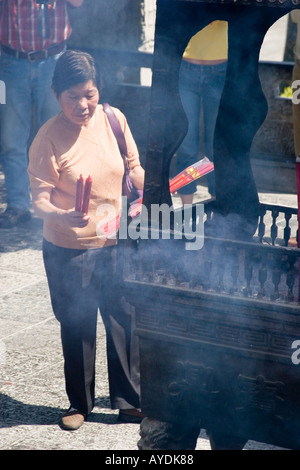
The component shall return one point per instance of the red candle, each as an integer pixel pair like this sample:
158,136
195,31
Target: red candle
86,195
79,192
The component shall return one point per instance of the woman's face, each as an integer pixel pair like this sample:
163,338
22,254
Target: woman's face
79,103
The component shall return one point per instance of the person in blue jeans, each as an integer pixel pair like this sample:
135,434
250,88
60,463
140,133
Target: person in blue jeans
32,38
201,80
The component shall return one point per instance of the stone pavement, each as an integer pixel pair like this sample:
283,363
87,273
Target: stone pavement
32,395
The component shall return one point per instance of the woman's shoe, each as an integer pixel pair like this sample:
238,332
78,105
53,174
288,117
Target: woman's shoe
72,420
131,415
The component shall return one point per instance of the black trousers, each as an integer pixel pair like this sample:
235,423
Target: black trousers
80,283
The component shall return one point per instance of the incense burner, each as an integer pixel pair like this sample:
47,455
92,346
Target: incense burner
219,337
218,327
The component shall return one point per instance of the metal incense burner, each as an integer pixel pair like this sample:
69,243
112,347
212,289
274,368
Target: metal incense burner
218,327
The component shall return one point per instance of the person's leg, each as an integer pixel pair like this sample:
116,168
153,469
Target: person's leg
45,103
296,111
187,198
122,343
15,129
188,152
76,307
213,83
79,350
296,131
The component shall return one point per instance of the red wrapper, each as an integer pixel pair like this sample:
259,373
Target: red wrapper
193,172
79,193
86,195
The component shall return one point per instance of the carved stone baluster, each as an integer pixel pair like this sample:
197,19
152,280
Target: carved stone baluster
221,258
155,264
208,266
248,270
261,225
290,278
146,262
170,256
133,260
274,228
276,275
176,266
140,267
187,265
209,213
195,269
163,266
234,269
262,276
287,228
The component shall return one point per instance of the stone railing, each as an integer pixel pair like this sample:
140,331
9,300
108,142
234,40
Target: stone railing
264,269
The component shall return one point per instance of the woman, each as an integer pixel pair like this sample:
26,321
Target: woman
79,264
201,81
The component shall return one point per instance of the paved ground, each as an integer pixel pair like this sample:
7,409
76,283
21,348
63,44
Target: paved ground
32,395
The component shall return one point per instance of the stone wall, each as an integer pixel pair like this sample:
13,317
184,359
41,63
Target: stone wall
272,153
113,24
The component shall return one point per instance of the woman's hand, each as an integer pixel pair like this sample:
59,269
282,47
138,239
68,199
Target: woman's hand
43,207
74,218
137,176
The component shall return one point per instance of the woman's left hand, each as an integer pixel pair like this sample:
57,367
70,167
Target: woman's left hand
46,210
74,218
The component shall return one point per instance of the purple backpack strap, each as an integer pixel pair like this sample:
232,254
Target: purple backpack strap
115,125
128,189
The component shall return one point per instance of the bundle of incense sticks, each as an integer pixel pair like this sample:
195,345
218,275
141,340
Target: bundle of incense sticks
83,194
193,172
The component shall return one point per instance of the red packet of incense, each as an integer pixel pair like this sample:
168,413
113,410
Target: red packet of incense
193,172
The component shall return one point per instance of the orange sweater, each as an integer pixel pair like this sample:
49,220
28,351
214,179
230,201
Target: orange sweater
60,153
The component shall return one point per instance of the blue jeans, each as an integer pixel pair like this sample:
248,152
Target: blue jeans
200,87
28,87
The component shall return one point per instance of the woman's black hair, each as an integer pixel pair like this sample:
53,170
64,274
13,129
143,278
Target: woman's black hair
73,68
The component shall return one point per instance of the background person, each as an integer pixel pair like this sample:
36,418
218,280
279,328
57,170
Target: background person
201,80
32,37
79,265
295,16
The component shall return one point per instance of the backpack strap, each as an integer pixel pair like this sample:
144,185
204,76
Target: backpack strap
119,134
